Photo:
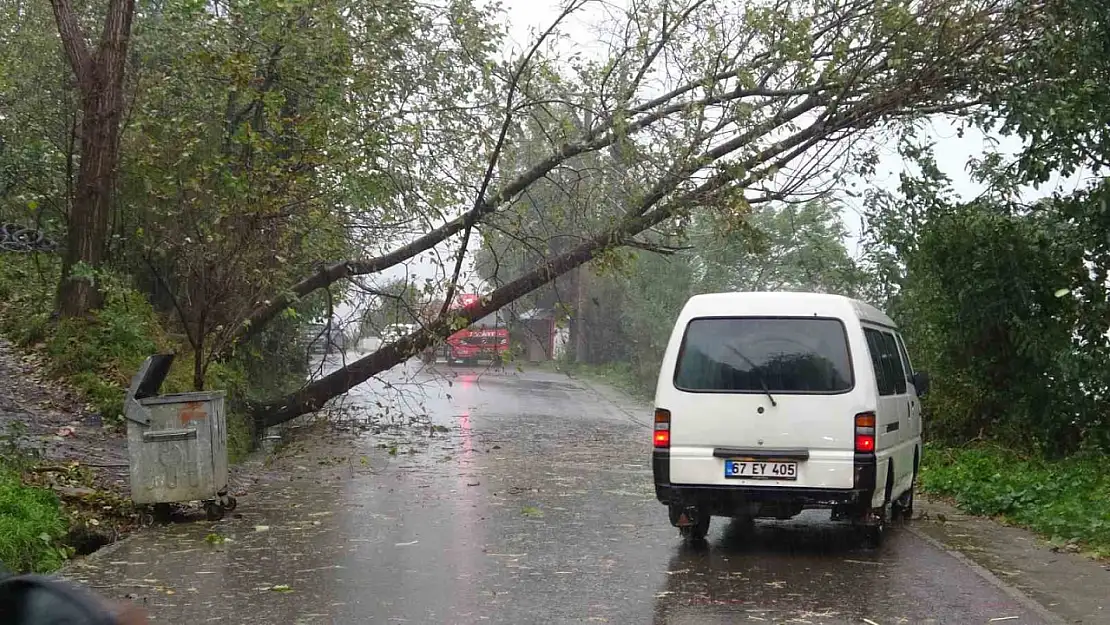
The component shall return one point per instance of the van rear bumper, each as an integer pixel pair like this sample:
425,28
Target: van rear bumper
728,497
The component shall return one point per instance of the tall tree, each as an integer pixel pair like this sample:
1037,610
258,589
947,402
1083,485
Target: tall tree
100,78
1007,301
725,107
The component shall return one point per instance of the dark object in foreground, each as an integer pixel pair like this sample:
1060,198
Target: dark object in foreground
39,600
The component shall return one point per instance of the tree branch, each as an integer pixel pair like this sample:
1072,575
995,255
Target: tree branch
73,41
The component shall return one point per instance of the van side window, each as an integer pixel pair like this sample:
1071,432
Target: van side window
905,358
893,359
875,348
889,373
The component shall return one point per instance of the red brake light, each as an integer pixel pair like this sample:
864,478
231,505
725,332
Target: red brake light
865,432
662,436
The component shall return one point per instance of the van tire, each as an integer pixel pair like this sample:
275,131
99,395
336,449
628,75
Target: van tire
903,508
875,532
697,530
904,505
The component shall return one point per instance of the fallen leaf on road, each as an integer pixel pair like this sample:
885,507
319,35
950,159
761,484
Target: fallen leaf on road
531,511
281,588
214,539
66,431
261,528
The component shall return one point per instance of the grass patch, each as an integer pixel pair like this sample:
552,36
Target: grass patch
32,526
1065,500
619,375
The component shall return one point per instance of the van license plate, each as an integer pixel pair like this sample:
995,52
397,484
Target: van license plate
754,470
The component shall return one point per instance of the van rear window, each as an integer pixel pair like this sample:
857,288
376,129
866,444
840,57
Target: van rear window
754,354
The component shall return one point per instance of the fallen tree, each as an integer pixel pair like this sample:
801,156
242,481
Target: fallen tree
709,109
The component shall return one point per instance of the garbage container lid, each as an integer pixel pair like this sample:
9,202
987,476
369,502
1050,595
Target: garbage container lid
151,375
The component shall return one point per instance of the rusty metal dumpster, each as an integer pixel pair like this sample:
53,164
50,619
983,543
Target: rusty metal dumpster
177,444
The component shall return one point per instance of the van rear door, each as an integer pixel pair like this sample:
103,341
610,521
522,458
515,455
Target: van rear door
773,393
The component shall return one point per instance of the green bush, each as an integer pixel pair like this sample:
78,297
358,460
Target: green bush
1065,501
31,526
99,354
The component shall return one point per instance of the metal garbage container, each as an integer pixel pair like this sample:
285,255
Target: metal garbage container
177,444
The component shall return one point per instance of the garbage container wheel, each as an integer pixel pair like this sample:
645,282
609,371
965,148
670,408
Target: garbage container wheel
213,511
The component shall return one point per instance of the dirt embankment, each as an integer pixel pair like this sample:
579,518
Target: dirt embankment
68,449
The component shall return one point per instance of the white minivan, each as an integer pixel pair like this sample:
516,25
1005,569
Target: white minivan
771,403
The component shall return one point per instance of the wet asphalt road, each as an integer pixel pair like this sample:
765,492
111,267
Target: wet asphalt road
535,506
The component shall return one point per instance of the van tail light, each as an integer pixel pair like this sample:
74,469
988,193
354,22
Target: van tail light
662,436
865,432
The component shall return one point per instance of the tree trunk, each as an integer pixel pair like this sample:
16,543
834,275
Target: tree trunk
581,342
100,83
87,231
313,396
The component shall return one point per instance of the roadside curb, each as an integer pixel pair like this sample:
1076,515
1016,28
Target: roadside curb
1014,593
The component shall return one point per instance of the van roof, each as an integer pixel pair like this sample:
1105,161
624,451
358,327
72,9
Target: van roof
783,302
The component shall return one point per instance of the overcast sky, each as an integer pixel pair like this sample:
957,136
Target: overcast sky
527,17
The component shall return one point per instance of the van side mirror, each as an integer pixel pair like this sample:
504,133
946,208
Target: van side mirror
921,383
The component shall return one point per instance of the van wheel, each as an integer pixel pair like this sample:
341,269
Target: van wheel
875,529
697,530
903,507
692,524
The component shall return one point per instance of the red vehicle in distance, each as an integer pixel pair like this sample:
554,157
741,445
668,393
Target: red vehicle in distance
485,339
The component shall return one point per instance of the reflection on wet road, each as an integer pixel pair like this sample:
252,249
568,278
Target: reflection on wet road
534,506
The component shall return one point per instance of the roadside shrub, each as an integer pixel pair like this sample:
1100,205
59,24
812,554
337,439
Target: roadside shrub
31,526
98,354
1066,500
